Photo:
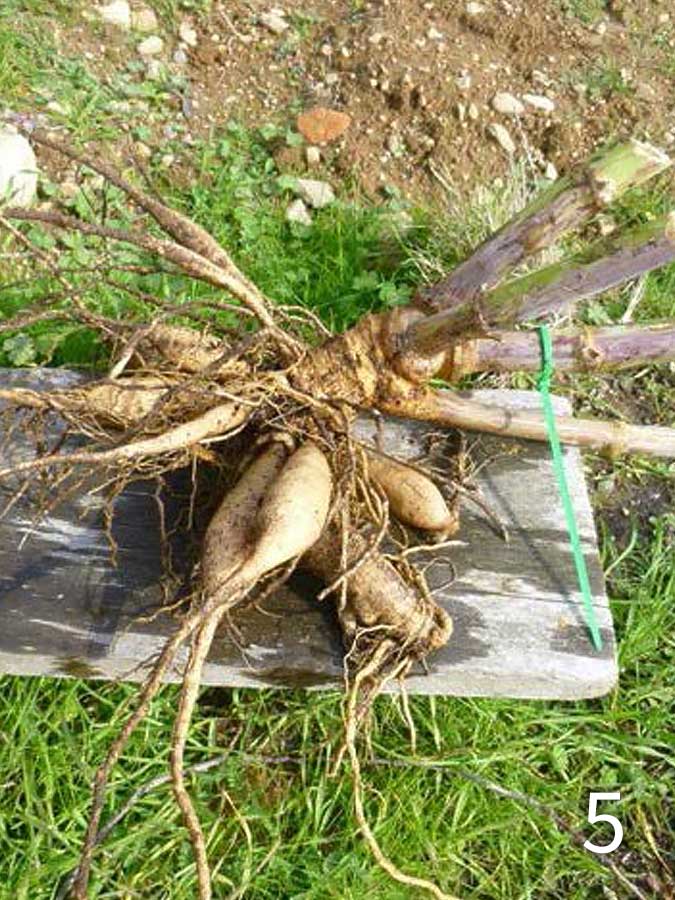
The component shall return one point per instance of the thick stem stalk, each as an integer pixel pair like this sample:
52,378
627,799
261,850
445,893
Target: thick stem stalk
461,411
565,206
578,349
553,290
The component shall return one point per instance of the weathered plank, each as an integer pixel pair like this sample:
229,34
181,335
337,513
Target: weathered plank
65,609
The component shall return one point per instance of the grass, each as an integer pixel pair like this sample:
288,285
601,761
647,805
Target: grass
304,842
587,11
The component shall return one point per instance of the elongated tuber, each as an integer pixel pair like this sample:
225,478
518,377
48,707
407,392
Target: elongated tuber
276,511
379,597
413,497
228,542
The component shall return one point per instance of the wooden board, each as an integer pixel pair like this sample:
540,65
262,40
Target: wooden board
66,610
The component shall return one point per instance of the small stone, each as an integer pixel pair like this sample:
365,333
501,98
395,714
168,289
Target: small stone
539,102
550,172
503,138
18,168
55,107
180,57
332,78
144,20
297,212
187,34
664,18
151,46
376,38
154,70
606,224
321,125
117,13
316,194
542,78
507,104
167,160
463,82
142,150
472,112
434,34
274,21
395,144
313,156
474,9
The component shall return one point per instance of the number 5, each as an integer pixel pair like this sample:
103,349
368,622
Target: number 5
594,816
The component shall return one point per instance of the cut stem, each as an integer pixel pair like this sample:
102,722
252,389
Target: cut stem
554,290
575,349
462,411
565,206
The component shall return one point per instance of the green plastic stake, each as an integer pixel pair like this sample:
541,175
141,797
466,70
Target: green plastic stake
544,385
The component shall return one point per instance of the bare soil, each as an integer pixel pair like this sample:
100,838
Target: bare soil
419,78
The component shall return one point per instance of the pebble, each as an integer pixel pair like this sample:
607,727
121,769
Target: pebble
55,107
550,172
151,46
474,9
298,212
463,82
395,144
539,102
316,194
142,150
116,13
507,104
332,78
321,125
167,160
187,34
180,57
313,156
502,136
274,21
144,20
154,70
434,34
472,111
18,168
542,78
606,224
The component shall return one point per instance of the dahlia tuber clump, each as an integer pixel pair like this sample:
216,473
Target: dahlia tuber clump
307,493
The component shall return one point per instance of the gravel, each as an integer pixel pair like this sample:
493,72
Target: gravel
502,137
507,104
316,194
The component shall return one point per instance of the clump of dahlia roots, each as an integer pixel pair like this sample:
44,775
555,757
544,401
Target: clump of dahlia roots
307,493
